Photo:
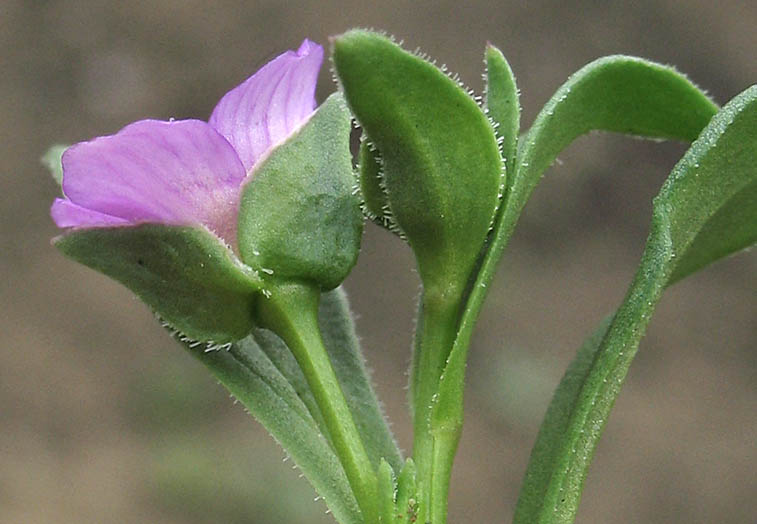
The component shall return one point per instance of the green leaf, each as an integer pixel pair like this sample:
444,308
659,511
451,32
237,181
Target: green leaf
716,173
281,357
299,216
546,450
712,192
52,161
616,93
502,103
340,338
246,371
738,217
186,275
442,189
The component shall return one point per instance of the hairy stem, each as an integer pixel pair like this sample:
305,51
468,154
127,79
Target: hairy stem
433,452
292,313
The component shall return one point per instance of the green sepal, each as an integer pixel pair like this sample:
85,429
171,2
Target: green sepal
247,372
714,178
187,275
52,161
442,168
502,103
299,216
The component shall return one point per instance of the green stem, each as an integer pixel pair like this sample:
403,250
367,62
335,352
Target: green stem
445,449
292,313
433,452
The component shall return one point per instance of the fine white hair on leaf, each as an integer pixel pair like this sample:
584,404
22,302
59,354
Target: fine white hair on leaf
386,219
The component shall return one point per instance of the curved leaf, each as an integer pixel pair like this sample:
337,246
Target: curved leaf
718,172
616,93
712,192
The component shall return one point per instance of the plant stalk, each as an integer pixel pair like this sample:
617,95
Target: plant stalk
292,313
433,451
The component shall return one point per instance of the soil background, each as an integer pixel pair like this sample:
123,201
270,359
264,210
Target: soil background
104,419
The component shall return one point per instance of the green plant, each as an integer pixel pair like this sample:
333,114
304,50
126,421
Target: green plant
248,281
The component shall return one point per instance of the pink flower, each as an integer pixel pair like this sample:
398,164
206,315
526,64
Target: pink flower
189,172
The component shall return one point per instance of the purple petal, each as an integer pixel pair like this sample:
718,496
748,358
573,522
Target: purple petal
67,214
179,172
266,108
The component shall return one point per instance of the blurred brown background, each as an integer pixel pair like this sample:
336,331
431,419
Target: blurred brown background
104,419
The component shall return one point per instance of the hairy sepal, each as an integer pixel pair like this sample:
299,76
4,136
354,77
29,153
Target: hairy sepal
300,216
187,275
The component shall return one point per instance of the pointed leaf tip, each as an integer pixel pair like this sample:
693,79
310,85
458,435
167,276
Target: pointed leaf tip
706,209
502,103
